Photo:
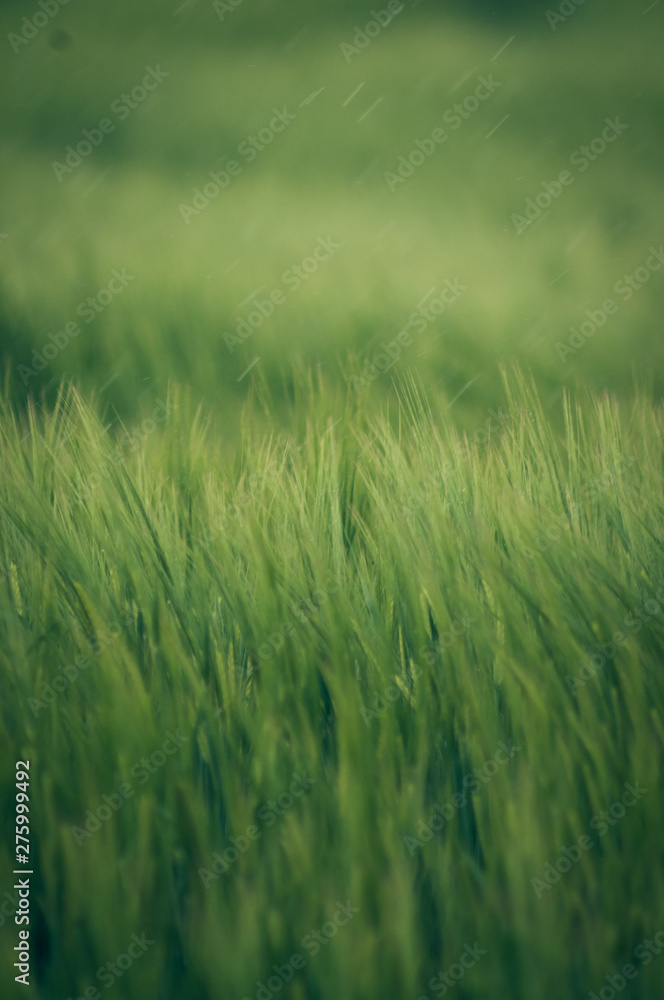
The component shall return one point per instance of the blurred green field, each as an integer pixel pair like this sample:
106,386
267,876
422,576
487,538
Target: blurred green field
276,495
324,176
379,613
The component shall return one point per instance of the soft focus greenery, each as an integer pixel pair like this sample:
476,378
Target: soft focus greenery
168,506
176,578
325,176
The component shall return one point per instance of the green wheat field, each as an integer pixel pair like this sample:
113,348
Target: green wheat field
331,501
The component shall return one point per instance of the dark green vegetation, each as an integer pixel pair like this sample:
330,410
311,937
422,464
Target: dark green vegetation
324,176
186,584
231,576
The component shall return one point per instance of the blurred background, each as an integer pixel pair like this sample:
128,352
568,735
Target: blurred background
474,212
